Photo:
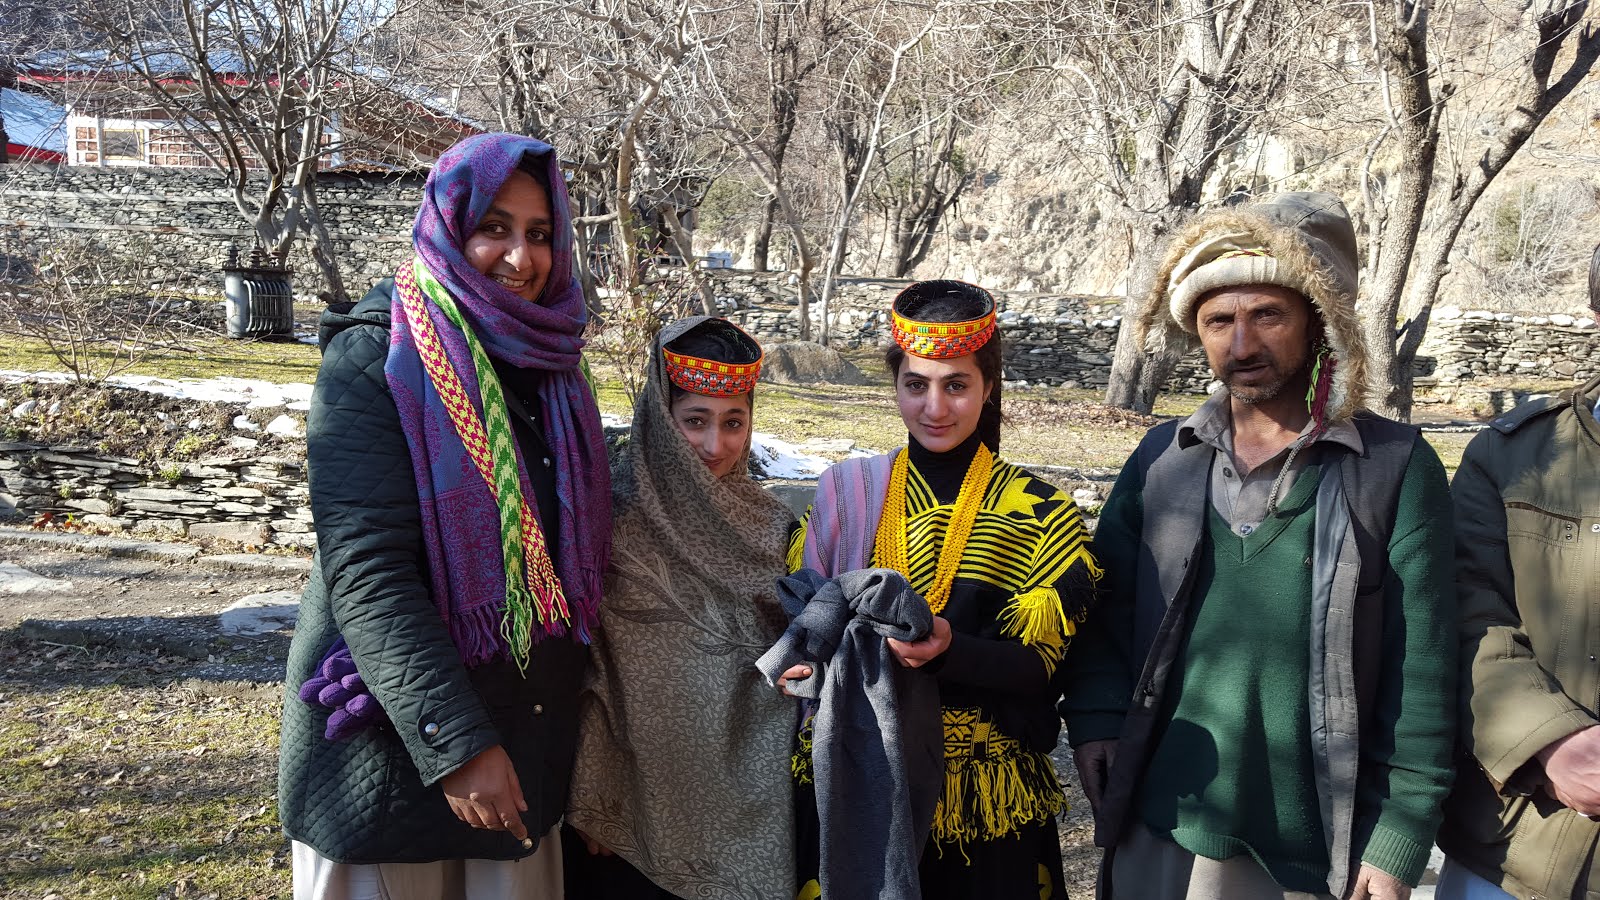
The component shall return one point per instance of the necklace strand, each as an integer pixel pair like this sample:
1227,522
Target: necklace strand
889,549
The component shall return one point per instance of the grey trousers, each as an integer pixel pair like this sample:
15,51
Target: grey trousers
536,877
1147,867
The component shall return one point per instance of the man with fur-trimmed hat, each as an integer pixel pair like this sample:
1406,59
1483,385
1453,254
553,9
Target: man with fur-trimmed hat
1524,816
1280,581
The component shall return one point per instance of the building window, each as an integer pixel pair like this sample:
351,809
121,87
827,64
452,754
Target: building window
122,143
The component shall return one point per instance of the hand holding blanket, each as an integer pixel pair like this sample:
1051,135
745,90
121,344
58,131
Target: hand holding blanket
878,738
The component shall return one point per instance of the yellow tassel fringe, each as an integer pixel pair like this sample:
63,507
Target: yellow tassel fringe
1037,618
996,797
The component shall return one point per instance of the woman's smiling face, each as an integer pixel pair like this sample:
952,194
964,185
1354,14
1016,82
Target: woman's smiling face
513,244
940,400
715,427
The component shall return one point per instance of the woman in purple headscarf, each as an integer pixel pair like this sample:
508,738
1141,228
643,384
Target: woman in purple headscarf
462,504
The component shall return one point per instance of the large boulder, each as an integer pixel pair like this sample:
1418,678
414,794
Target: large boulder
802,362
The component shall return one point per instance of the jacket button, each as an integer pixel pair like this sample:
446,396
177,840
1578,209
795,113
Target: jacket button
547,462
538,709
1595,527
431,729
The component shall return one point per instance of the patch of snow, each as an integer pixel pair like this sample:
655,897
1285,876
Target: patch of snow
254,393
284,426
261,613
781,459
17,580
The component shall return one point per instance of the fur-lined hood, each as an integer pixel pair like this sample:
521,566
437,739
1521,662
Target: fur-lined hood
1310,246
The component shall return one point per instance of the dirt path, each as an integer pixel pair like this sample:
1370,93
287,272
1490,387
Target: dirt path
131,702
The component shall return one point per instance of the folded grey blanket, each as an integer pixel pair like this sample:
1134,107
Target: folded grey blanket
877,738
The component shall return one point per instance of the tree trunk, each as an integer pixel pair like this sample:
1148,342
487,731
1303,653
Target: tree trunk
762,248
1537,99
1137,377
1404,58
584,272
683,242
322,249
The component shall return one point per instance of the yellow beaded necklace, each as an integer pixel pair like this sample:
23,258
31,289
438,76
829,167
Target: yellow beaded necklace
889,550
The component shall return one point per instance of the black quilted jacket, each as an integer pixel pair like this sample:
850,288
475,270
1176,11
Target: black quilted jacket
376,797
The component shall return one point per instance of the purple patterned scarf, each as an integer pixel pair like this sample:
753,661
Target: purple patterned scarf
460,520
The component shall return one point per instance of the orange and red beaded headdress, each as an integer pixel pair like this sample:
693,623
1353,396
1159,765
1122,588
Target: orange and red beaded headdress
713,377
941,340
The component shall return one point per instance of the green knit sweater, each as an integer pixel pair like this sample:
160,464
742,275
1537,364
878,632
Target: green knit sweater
1232,771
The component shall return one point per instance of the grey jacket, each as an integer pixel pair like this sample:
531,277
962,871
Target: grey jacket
1355,506
878,736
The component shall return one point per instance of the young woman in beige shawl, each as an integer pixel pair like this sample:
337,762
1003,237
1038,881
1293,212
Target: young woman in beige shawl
683,763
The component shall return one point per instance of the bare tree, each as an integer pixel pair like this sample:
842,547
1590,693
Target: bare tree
1152,96
922,177
887,39
609,80
1526,236
1405,267
789,31
755,119
253,86
97,313
28,28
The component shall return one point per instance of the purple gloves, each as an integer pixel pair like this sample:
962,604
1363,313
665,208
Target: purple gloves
338,686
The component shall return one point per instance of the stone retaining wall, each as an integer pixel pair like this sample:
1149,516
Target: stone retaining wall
1464,345
1050,338
1066,339
260,500
185,219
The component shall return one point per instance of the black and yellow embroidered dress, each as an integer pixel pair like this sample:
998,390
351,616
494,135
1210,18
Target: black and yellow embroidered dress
1025,580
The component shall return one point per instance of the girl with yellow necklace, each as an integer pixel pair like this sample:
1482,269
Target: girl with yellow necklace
1003,561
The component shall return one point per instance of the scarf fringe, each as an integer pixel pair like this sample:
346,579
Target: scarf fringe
996,796
476,634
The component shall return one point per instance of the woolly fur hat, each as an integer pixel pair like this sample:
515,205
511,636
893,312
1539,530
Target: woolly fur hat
1301,241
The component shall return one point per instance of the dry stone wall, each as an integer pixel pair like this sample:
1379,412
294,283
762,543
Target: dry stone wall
1465,345
1050,338
1069,339
185,220
260,500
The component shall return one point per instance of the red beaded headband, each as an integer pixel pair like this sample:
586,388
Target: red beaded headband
713,378
941,340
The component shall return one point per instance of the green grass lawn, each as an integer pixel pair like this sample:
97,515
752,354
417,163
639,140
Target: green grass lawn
118,779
